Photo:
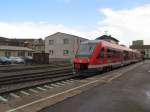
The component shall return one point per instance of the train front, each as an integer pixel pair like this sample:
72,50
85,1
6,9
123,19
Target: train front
83,57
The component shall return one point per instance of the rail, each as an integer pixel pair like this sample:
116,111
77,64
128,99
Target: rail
17,80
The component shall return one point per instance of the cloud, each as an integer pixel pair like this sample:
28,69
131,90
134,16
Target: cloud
127,25
34,30
41,30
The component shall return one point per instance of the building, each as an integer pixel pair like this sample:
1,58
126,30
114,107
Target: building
38,45
138,42
62,46
144,49
108,38
10,42
15,51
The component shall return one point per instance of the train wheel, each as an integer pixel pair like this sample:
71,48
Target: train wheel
107,69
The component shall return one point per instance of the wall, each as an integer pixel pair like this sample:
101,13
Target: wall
58,47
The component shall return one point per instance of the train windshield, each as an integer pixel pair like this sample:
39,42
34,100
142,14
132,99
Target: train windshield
86,49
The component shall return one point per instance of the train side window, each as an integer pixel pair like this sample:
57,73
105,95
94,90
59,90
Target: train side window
126,55
108,53
101,54
117,54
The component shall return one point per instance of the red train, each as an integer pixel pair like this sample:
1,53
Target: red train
103,55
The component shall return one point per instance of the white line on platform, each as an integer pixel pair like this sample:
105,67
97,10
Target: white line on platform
40,88
14,95
3,99
114,77
25,93
52,96
32,90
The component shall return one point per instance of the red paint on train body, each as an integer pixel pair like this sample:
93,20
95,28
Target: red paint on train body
99,54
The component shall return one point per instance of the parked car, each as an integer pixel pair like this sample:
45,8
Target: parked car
17,60
4,60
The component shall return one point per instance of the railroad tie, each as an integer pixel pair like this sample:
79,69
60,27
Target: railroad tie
60,83
14,95
40,88
54,85
49,87
3,99
65,82
25,93
71,80
32,90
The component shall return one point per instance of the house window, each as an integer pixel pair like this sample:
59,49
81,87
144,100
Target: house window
21,53
51,52
7,53
51,42
66,52
66,41
39,48
29,53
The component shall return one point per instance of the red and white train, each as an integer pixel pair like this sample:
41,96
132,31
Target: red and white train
103,55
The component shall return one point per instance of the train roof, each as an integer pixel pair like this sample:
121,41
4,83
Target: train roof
111,45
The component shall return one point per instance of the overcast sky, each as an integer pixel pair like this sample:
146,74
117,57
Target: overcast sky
126,20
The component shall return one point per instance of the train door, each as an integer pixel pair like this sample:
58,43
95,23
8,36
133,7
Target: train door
100,56
126,57
109,55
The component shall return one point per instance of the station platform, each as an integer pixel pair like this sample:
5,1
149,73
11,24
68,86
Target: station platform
128,93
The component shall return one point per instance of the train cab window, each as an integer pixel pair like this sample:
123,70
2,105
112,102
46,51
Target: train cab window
86,49
101,54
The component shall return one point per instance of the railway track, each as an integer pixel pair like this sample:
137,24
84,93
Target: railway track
11,68
15,80
18,78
